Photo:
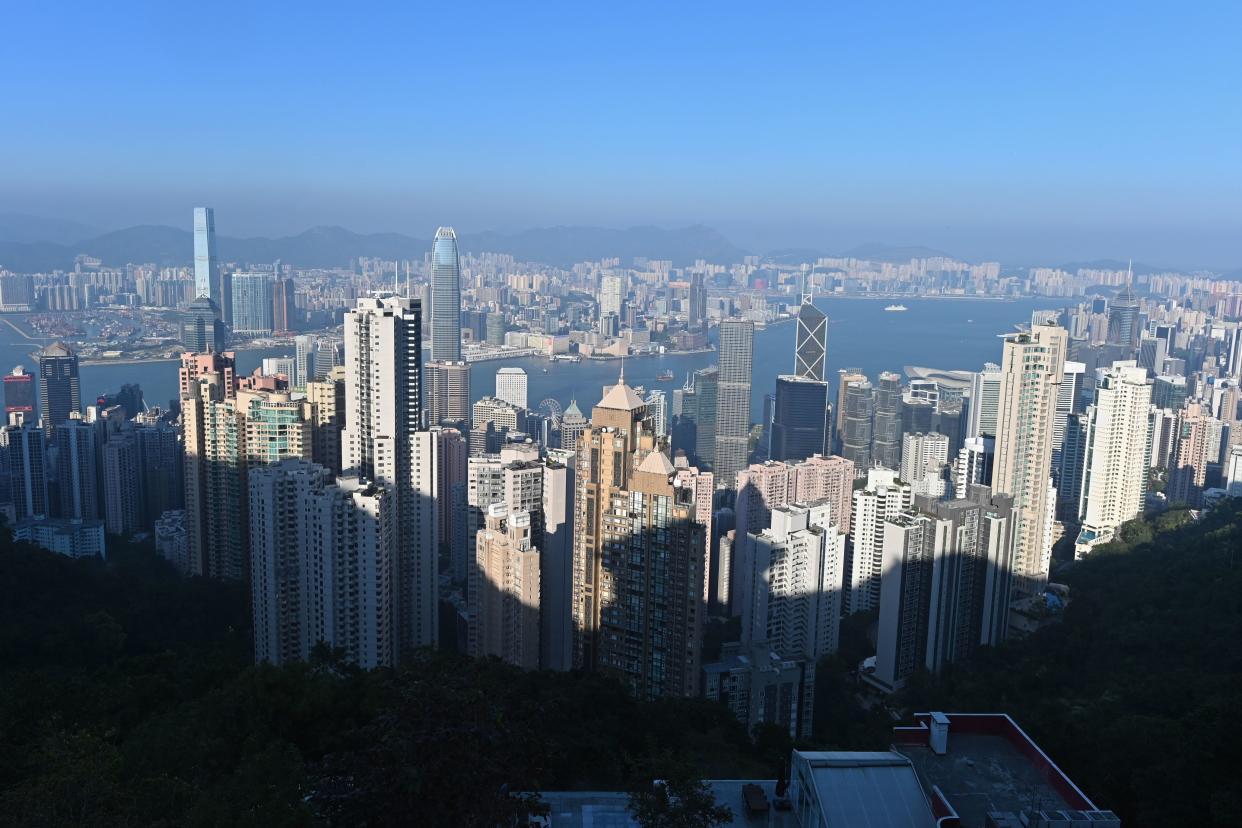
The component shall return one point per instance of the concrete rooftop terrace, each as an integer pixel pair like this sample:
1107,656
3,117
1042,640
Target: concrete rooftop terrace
983,773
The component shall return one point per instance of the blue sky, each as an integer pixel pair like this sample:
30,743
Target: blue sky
1023,131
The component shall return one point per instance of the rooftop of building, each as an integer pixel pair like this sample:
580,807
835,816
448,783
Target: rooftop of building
988,765
868,789
621,397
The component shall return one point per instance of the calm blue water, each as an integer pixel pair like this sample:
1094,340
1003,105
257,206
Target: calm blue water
937,333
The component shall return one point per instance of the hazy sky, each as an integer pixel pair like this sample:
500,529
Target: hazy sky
1040,131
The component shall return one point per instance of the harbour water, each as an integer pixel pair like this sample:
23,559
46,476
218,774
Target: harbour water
936,333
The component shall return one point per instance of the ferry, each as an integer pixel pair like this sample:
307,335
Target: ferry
664,376
896,308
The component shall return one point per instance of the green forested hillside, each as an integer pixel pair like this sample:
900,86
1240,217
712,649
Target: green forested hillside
1137,692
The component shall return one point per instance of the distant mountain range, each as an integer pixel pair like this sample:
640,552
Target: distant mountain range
336,246
31,244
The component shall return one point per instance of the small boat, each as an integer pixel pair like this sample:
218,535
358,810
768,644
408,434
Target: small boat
896,308
664,376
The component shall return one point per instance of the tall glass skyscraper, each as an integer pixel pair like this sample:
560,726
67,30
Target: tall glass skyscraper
811,346
210,279
445,297
205,264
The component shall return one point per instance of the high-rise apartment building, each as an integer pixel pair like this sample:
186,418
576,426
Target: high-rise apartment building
883,497
798,564
638,555
321,564
448,393
945,585
327,399
445,297
78,452
1196,445
924,463
985,389
1031,374
1117,443
60,391
611,295
383,444
25,469
974,465
511,384
252,304
737,339
284,307
124,507
505,600
304,347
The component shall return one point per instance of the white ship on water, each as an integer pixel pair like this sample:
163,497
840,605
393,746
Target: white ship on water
896,308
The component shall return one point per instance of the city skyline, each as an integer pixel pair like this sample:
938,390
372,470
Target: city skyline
1035,132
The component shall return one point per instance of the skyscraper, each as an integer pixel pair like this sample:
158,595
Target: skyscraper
811,342
573,423
881,498
845,378
801,420
78,448
252,303
798,574
505,606
886,436
1123,320
696,301
924,463
19,395
59,390
638,555
858,423
445,297
737,338
1196,445
24,451
383,444
984,401
202,328
1031,374
206,267
611,295
123,491
1117,442
945,588
303,361
703,415
321,560
448,393
511,386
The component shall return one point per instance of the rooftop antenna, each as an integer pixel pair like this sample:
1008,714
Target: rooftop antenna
621,379
407,278
396,278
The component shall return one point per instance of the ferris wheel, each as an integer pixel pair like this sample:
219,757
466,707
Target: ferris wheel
552,408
